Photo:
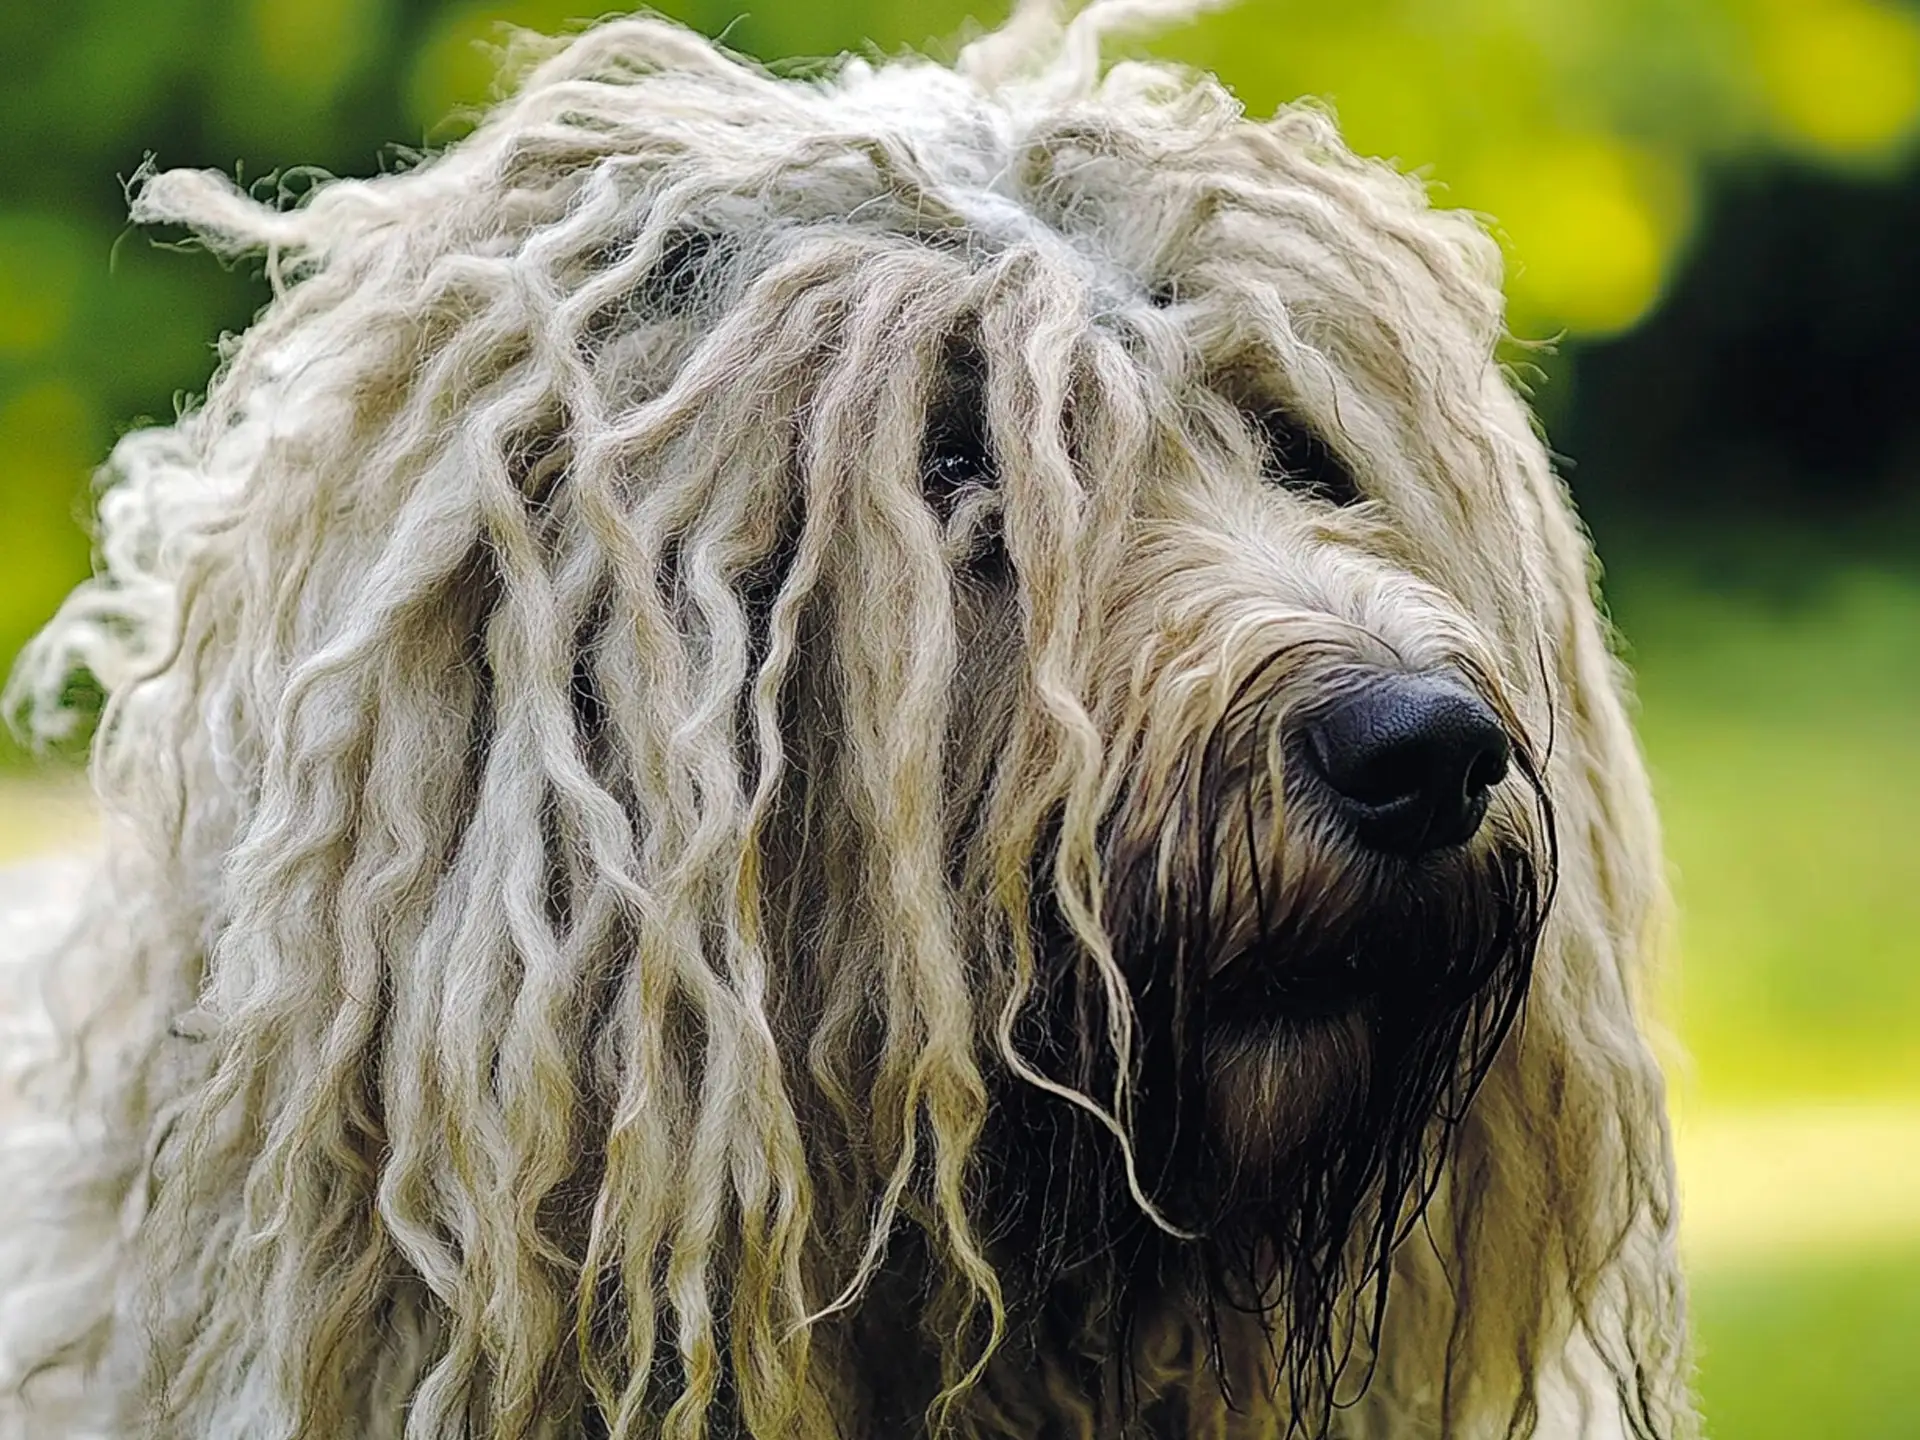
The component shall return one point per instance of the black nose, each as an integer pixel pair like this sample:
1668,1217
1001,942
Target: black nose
1410,758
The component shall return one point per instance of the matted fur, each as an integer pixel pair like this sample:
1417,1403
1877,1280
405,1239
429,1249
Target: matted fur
651,710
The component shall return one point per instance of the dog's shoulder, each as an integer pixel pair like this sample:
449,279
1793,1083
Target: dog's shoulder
39,900
40,903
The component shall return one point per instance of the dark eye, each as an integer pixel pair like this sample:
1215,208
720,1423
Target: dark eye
958,474
1297,459
955,454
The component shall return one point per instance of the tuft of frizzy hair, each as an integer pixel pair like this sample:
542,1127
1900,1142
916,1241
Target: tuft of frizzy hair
600,690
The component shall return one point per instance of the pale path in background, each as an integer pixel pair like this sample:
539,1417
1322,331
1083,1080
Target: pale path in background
1817,1180
38,898
45,830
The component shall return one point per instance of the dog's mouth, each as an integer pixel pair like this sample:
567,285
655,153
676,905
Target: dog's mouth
1277,1080
1370,932
1310,1014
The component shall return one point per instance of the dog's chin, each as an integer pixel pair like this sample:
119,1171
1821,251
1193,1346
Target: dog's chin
1340,1030
1275,1082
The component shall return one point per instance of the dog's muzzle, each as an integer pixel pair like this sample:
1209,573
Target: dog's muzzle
1409,759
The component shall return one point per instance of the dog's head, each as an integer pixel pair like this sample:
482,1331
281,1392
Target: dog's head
1313,881
760,674
1284,904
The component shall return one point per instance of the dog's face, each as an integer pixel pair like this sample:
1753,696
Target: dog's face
1309,885
1324,848
1326,861
1330,846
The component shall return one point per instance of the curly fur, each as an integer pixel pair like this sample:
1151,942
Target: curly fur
693,803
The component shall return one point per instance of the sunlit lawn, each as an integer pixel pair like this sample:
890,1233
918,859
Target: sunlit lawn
40,812
1811,1350
1785,743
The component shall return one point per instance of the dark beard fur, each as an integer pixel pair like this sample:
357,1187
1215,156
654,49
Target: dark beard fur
1293,1100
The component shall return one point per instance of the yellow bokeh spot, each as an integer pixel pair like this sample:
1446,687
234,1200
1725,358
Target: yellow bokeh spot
458,66
1590,223
40,272
310,49
1841,77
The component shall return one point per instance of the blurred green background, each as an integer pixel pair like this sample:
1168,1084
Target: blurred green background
1711,206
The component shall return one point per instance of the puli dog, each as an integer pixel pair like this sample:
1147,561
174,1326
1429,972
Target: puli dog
922,751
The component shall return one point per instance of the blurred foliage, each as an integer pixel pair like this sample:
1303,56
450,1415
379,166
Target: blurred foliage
1580,126
1776,383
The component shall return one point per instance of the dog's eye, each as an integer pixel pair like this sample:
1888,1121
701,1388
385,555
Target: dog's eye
955,453
955,456
958,473
1299,460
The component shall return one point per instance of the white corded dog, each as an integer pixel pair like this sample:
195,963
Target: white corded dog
919,752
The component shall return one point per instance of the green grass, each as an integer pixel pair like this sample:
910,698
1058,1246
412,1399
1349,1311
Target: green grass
1784,737
1824,1350
1785,745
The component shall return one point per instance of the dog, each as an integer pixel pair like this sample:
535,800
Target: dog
922,751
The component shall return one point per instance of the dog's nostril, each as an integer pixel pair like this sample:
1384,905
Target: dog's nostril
1410,758
1489,767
